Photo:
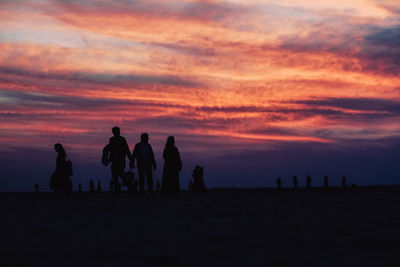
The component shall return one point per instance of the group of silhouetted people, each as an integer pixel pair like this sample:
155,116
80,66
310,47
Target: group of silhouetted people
197,185
308,182
116,152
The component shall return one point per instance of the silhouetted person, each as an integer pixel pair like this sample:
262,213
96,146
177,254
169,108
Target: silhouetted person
118,149
198,179
135,185
279,183
91,187
79,188
308,181
172,167
98,187
144,156
326,185
343,182
36,188
295,182
60,181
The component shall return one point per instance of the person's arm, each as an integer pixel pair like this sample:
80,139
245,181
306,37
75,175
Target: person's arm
126,148
133,157
152,158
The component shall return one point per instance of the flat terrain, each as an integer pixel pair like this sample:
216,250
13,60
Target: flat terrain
228,227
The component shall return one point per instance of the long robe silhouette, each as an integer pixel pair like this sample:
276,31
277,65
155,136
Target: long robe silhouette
60,180
172,167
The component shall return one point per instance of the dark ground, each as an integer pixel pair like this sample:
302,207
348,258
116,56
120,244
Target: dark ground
230,227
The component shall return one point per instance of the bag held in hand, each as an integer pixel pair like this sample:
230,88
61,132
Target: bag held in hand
105,159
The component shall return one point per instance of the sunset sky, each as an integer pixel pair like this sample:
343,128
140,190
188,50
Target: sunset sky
250,89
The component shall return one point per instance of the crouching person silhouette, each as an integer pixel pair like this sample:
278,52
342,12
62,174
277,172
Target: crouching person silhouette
60,181
118,149
144,156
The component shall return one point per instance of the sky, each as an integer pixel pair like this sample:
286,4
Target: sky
251,90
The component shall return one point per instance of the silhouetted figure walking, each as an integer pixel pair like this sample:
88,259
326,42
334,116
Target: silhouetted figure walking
91,187
79,188
279,183
99,187
144,156
36,188
295,182
326,185
60,181
308,181
343,182
118,149
198,180
172,167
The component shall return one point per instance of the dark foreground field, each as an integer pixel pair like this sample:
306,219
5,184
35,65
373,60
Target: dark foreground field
232,227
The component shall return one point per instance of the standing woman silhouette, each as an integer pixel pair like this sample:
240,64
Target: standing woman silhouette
172,167
60,180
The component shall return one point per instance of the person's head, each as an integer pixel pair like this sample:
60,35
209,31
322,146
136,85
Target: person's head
59,148
116,131
144,138
170,141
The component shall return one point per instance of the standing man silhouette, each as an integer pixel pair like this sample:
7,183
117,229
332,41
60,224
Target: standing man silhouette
119,149
144,155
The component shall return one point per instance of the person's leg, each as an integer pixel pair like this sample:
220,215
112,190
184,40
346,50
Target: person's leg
121,174
141,179
115,173
149,176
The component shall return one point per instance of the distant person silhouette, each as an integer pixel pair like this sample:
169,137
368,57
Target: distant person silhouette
308,181
198,180
279,183
295,181
36,188
144,156
172,167
326,184
343,181
60,181
118,149
99,187
91,186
